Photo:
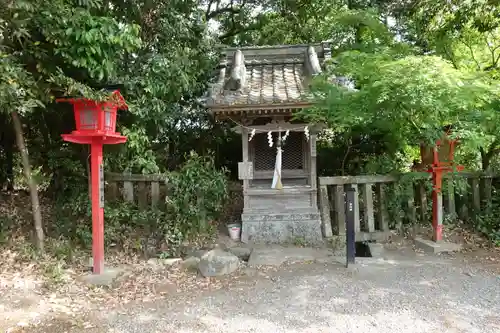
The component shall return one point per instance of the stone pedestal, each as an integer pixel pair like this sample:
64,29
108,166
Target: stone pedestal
281,228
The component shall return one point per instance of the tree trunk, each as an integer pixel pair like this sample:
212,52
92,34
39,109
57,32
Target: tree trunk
9,166
35,204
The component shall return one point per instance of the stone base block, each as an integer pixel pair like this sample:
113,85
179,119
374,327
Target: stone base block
429,246
281,229
105,279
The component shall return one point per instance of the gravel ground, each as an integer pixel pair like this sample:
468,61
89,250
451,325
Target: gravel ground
426,295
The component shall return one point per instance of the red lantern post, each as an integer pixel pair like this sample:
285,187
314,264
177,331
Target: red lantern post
96,125
439,160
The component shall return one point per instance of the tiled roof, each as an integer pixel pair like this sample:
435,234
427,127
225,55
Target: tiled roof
266,76
267,84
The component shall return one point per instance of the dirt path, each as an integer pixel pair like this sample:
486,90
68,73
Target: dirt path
422,294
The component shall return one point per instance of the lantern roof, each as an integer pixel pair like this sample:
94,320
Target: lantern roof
115,97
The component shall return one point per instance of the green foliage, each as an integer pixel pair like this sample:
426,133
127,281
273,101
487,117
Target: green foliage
16,86
199,191
487,221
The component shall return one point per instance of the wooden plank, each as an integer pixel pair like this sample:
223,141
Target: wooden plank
245,158
398,221
122,177
450,198
128,188
357,222
463,208
382,215
142,195
476,199
324,206
412,210
267,191
422,200
340,208
486,187
245,170
155,193
345,180
368,213
113,190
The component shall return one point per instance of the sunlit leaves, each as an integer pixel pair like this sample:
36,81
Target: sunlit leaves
413,96
16,87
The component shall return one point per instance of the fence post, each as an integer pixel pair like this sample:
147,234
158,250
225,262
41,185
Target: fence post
324,206
350,210
382,209
368,215
128,188
155,193
486,182
422,198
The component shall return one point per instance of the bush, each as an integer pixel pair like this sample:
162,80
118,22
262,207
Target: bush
488,223
197,192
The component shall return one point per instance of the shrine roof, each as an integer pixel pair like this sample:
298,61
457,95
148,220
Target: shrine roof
266,77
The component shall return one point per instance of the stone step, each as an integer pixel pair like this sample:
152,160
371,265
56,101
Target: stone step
281,231
280,217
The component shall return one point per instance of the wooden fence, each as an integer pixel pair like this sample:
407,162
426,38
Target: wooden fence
152,190
143,190
373,220
375,214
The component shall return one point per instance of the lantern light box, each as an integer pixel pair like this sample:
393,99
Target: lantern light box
95,119
442,154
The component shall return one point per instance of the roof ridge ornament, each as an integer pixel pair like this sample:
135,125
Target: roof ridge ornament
238,72
327,50
312,61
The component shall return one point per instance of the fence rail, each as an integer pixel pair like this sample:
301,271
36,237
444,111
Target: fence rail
144,190
375,214
372,218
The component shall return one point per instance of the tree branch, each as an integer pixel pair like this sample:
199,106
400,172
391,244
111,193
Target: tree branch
471,51
219,11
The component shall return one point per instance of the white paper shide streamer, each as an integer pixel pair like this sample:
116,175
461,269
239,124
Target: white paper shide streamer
277,170
277,184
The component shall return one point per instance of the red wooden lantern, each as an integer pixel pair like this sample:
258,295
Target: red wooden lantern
96,125
96,121
438,160
441,154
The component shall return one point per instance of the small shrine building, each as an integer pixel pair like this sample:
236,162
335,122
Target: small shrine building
259,89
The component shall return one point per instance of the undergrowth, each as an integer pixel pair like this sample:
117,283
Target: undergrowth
197,194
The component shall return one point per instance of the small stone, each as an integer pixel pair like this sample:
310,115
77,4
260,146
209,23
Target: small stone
153,262
105,279
163,262
217,263
171,261
190,262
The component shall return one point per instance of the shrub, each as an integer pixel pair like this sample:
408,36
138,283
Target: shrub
197,192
